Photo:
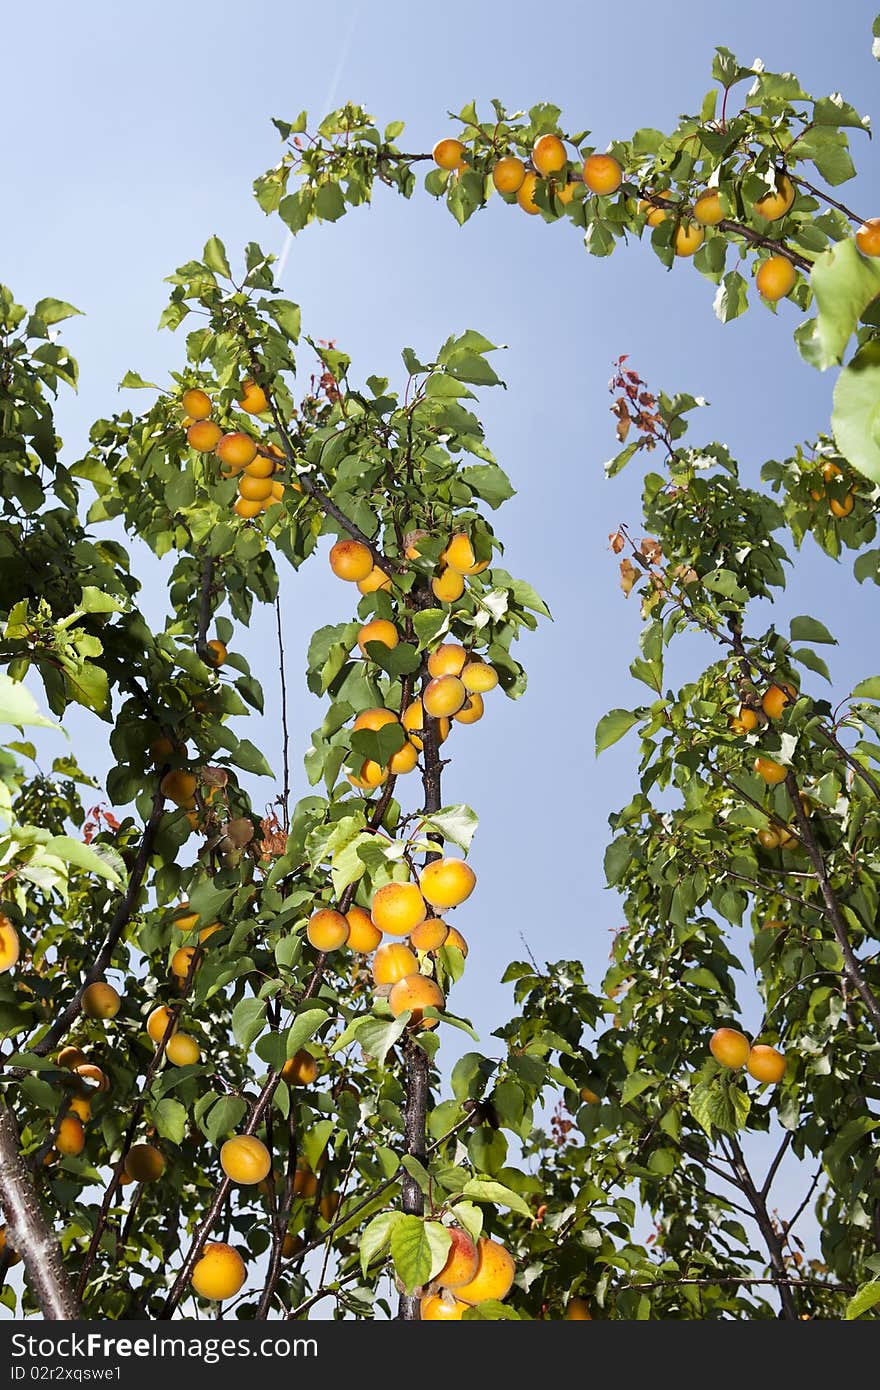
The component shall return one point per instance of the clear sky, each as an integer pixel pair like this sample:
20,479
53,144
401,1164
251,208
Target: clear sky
135,132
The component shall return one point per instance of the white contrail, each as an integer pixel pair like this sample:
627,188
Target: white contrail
328,104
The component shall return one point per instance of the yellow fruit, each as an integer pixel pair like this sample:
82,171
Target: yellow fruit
776,204
448,585
448,153
368,776
548,154
379,630
688,238
443,696
218,651
254,489
707,209
433,1307
253,398
291,1246
765,1064
100,1000
508,174
351,560
219,1272
301,1069
327,929
397,908
588,1096
455,938
71,1058
461,1262
305,1183
9,944
71,1137
775,278
144,1163
768,839
744,720
495,1273
843,507
181,961
278,491
376,579
203,436
413,721
459,554
236,449
248,510
525,194
196,403
602,174
564,192
776,698
446,882
81,1106
245,1159
416,993
771,772
184,919
158,1022
868,237
404,760
429,935
729,1047
260,467
182,1050
363,934
447,660
578,1311
393,962
654,215
94,1074
375,718
180,787
471,710
329,1205
478,677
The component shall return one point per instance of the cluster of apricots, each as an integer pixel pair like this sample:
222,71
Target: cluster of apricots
778,697
240,456
474,1272
100,1000
732,1049
839,498
600,173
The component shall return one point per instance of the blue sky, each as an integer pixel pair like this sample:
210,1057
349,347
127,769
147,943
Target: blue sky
139,132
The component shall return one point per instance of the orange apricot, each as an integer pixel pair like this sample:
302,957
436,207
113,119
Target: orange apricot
404,760
765,1064
242,507
393,962
158,1022
446,882
218,651
707,209
236,450
10,948
842,507
447,660
100,1000
301,1069
429,935
448,153
416,993
459,554
776,698
253,398
478,677
433,1307
327,929
219,1272
180,787
245,1159
495,1273
578,1310
144,1163
777,203
548,155
455,938
376,579
181,961
471,710
461,1262
729,1047
363,934
71,1136
602,174
443,696
351,560
688,238
375,718
203,436
254,489
775,278
868,237
771,772
182,1050
71,1058
508,173
397,908
379,630
448,585
196,403
525,194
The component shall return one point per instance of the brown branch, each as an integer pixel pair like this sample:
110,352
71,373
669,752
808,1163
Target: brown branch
826,197
772,1239
774,1166
745,1279
285,747
206,593
29,1232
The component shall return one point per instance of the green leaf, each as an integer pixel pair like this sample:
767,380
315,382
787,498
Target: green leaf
612,727
133,381
731,297
96,601
855,418
868,689
224,1117
488,481
249,757
87,857
248,1020
18,706
411,1252
455,823
329,202
719,1104
89,686
490,1310
486,1190
214,256
401,660
303,1027
810,630
844,284
867,1297
378,744
376,1236
169,1117
51,311
635,1084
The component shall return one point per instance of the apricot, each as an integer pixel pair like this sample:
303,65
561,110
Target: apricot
71,1136
184,919
765,1064
588,1096
471,710
868,237
843,507
776,698
429,935
301,1069
707,209
478,677
363,934
218,651
768,839
448,585
447,882
548,154
181,961
776,204
416,993
744,720
654,215
219,1272
775,278
253,398
182,1050
71,1058
379,630
368,776
525,194
81,1106
329,1205
245,1159
393,962
13,1257
254,489
459,554
455,938
236,450
447,660
433,1307
158,1021
397,908
412,720
508,173
278,491
351,560
443,696
688,238
461,1262
494,1276
196,403
327,929
448,153
602,174
404,760
729,1047
242,507
89,1072
376,579
291,1246
203,436
9,944
260,467
100,1000
830,471
375,718
180,787
144,1163
771,772
578,1310
305,1183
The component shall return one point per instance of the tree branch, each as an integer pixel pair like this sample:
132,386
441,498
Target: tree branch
29,1231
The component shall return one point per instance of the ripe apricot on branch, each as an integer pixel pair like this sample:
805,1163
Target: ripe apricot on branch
461,1262
868,237
181,961
196,403
602,174
495,1273
100,1000
327,929
416,993
301,1069
578,1310
376,579
245,1159
729,1047
448,585
144,1163
71,1137
253,398
688,238
89,1072
351,560
71,1058
180,787
404,760
478,677
776,698
548,154
375,718
412,720
429,935
397,908
363,934
433,1307
843,507
217,651
508,173
471,710
368,776
254,489
81,1106
455,938
777,203
766,1064
459,554
393,962
236,450
525,194
447,882
447,153
182,1050
447,660
743,721
707,209
771,772
219,1272
9,944
242,507
443,696
203,436
158,1022
775,278
379,630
